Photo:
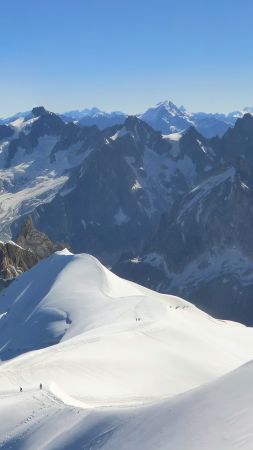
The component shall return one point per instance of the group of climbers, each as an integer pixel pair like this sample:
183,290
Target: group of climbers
21,389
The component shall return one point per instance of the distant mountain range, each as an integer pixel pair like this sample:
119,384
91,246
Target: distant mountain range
165,117
171,211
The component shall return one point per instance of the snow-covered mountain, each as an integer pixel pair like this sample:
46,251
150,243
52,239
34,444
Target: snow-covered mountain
95,116
36,155
202,247
129,194
111,356
168,118
165,117
113,201
95,183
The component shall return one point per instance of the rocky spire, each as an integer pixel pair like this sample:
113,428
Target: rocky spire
36,241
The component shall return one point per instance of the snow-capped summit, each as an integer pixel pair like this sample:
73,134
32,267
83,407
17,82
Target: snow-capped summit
166,117
169,106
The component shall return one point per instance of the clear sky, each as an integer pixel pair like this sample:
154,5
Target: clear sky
125,54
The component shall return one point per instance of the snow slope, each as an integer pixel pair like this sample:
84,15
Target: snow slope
215,416
120,353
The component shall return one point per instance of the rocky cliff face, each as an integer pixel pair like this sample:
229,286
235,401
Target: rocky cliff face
35,241
15,260
30,247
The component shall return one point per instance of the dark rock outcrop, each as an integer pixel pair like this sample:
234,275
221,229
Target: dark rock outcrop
35,241
30,247
15,260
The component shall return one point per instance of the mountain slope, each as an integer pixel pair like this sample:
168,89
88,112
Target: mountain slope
167,118
117,345
215,416
113,201
35,161
202,249
74,301
179,205
218,415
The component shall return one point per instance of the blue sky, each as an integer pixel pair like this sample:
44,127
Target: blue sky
125,55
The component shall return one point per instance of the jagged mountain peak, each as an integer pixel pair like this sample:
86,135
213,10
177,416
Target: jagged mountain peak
161,109
169,106
30,238
237,144
135,128
30,247
38,111
27,226
166,117
42,115
132,122
244,124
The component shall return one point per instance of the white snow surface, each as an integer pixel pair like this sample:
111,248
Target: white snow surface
123,366
120,133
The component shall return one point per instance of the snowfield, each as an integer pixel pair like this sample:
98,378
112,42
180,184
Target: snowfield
122,367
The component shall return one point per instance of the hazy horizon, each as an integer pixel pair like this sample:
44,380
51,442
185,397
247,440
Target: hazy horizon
116,110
